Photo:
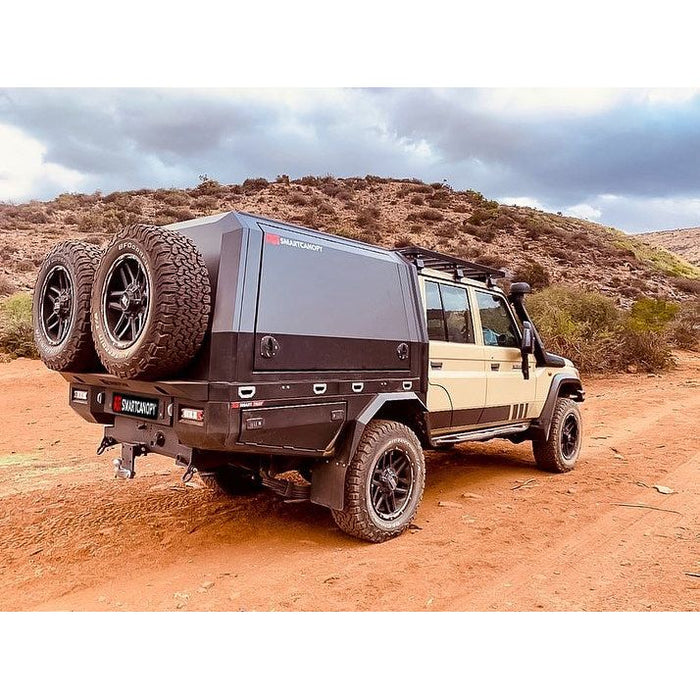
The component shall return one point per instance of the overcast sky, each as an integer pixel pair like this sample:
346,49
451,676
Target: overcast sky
625,158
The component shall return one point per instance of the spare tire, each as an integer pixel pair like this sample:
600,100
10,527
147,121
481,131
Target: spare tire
61,307
151,303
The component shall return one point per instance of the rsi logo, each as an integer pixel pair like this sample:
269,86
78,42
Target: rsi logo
275,239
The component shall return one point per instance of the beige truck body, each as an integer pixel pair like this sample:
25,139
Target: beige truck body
475,369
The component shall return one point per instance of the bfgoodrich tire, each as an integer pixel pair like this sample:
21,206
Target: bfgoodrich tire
61,307
384,483
151,303
559,452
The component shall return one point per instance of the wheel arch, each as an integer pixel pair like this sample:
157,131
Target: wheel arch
563,386
328,479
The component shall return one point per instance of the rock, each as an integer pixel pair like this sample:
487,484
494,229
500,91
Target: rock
663,489
469,494
632,369
571,490
207,585
449,504
625,562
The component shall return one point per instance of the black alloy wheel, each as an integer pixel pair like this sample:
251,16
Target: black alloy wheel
125,301
569,436
56,305
391,484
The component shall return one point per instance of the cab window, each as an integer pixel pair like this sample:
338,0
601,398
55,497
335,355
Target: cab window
448,314
435,317
497,323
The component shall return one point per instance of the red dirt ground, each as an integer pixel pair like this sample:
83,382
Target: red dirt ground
74,538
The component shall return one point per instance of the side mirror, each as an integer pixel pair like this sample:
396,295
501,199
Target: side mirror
528,345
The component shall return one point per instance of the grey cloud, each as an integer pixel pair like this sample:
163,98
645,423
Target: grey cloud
128,138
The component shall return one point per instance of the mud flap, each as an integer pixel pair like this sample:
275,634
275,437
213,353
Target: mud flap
328,479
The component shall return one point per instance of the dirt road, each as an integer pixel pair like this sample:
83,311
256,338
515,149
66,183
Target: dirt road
506,536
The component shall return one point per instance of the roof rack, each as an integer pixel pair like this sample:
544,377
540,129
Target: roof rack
422,257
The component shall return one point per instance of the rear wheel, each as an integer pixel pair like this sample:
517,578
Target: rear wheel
384,483
61,307
559,452
231,480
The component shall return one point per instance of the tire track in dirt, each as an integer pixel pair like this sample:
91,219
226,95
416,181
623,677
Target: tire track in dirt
78,539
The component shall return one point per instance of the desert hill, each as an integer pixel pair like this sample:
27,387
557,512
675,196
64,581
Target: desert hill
529,244
681,241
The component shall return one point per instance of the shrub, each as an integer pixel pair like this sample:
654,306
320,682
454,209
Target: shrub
490,260
534,274
481,216
368,217
36,216
325,209
90,222
425,215
207,187
403,242
686,285
179,213
587,328
486,235
651,315
255,184
417,200
206,203
16,334
7,287
684,330
297,199
173,198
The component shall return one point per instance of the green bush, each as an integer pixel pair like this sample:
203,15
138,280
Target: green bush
590,330
651,315
16,334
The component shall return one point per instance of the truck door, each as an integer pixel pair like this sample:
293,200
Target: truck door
456,363
509,396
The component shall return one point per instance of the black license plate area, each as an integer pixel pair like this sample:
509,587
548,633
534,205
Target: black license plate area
136,406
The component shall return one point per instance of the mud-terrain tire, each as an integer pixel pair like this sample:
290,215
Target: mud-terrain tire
559,452
389,459
151,303
231,481
61,307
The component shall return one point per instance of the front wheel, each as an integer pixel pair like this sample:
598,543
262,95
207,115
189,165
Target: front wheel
384,483
559,452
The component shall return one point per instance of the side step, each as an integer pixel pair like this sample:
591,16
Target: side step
483,434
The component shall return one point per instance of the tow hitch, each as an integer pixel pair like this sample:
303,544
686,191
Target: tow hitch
124,466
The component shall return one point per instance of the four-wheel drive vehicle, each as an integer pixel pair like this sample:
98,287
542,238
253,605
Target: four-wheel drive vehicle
260,353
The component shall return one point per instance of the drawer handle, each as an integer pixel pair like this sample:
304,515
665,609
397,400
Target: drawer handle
246,392
435,365
357,387
407,386
320,389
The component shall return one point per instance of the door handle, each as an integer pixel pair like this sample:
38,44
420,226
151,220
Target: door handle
435,365
495,366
